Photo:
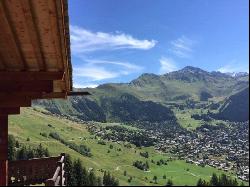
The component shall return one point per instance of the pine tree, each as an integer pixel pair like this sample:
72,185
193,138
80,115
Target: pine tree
223,181
147,165
39,151
46,152
201,182
155,179
116,182
85,177
22,154
105,178
70,176
164,177
30,153
79,173
92,179
109,179
234,182
17,144
11,148
99,181
214,180
169,183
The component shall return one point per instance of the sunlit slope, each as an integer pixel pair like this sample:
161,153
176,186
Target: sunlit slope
148,94
31,123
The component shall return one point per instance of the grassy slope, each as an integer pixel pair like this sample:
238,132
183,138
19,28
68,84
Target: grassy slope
31,123
185,120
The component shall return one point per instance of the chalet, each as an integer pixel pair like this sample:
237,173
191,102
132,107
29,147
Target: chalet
34,64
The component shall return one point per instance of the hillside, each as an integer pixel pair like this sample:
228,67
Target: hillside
236,107
148,97
36,125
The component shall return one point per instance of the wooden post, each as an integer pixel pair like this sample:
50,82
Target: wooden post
59,164
3,150
63,158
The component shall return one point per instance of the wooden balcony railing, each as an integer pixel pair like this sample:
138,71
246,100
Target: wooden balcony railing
49,170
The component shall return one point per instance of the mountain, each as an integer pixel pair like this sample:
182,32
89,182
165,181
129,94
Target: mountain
238,74
148,97
189,82
123,108
236,107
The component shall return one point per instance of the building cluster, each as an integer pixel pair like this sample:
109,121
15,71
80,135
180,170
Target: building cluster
222,147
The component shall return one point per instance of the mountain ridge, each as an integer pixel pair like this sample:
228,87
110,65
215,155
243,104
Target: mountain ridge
147,94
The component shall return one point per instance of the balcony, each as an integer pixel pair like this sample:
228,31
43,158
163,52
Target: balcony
48,171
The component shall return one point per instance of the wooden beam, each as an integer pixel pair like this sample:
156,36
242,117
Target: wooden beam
64,40
30,76
7,111
78,93
33,95
26,86
3,150
14,102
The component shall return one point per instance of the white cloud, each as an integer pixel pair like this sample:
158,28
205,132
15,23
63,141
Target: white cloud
96,70
233,67
85,85
126,65
167,65
94,73
84,41
182,47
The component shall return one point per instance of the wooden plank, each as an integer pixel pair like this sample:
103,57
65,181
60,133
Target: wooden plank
8,49
42,17
54,32
26,86
17,21
7,111
30,76
11,14
3,150
33,32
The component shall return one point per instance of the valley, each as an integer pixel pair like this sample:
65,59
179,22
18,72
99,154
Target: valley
115,156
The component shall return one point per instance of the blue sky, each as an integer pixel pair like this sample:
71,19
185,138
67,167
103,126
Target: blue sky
117,40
